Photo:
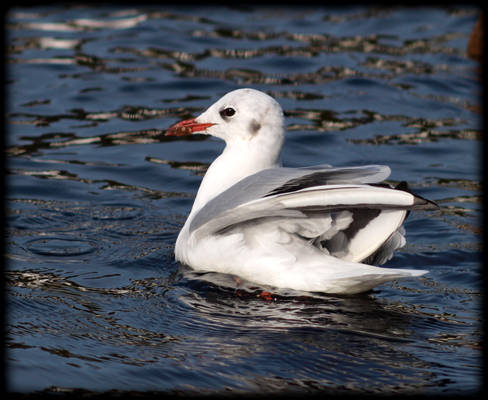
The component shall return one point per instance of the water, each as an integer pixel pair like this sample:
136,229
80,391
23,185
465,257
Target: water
97,195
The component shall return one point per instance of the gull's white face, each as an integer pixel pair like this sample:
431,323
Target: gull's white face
240,115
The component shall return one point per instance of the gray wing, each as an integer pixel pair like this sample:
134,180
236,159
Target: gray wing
275,181
344,212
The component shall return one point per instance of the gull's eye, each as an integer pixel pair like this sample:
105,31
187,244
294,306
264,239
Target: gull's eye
227,112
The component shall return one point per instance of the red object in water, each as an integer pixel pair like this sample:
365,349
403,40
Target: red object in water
476,40
266,295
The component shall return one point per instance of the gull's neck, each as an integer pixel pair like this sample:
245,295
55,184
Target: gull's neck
237,161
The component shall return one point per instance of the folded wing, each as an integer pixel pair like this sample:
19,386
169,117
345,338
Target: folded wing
357,221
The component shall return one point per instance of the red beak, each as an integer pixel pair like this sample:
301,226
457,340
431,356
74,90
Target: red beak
186,127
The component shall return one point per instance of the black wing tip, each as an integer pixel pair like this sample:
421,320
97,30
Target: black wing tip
403,185
419,201
425,204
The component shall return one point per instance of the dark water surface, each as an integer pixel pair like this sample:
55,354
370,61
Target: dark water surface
97,195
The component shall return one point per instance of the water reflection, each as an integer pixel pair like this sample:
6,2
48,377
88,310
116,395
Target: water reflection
320,335
317,120
223,302
78,24
421,137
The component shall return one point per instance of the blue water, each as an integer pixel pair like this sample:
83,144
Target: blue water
96,196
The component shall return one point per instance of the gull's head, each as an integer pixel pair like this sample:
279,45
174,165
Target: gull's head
240,115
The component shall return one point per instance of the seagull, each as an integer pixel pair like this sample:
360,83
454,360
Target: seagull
314,229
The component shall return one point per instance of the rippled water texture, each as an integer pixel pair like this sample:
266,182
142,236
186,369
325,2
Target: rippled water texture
97,195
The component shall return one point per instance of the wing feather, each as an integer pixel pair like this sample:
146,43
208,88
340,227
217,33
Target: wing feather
352,222
286,180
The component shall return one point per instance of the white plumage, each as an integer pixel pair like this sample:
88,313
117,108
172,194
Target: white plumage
313,228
